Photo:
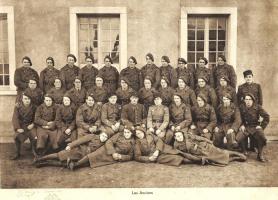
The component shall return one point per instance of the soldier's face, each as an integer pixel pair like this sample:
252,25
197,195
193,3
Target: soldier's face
139,134
164,63
226,101
177,100
124,84
26,100
26,63
48,101
127,133
223,82
103,137
107,62
148,60
179,136
134,100
181,64
147,84
70,61
113,99
32,84
202,63
99,82
77,84
90,101
131,63
49,63
163,83
248,101
157,101
220,61
201,82
66,101
249,78
181,83
200,102
89,62
57,83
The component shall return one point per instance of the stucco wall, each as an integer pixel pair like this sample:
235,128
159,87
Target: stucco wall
42,30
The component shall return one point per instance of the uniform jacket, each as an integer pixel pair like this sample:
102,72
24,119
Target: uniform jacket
146,97
110,77
88,116
100,93
133,115
88,76
110,114
68,75
224,70
206,72
22,76
77,96
188,96
220,91
45,114
210,94
47,78
133,75
166,95
57,95
152,71
158,115
253,88
124,95
36,95
180,115
188,74
170,73
23,116
65,117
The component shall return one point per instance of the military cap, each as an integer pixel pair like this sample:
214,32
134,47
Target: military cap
166,58
182,60
247,72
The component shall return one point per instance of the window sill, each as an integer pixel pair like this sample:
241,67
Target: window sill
7,92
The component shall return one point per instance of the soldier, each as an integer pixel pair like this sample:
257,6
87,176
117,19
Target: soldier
203,150
23,74
132,73
57,92
254,120
110,116
166,91
99,91
48,75
224,88
223,69
249,87
180,116
203,71
88,117
34,93
77,93
69,72
206,90
119,148
88,73
134,114
168,71
203,118
65,121
150,70
23,123
124,91
158,119
110,75
187,94
185,71
146,93
229,120
46,127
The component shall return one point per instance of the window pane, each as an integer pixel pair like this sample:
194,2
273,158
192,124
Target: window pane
191,35
93,26
200,46
191,57
92,20
222,23
221,35
212,46
200,54
105,23
83,46
200,35
200,23
1,80
94,45
105,35
221,46
83,34
191,23
212,23
93,35
115,23
84,26
7,79
115,34
191,65
221,53
191,46
106,47
1,68
6,68
116,46
212,35
212,57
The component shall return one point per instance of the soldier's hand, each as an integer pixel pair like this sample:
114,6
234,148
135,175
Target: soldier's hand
93,129
157,132
115,156
68,148
45,127
259,127
114,128
50,123
117,125
205,130
151,130
230,131
68,131
193,126
173,128
242,128
152,158
143,125
178,128
216,130
30,126
156,153
20,130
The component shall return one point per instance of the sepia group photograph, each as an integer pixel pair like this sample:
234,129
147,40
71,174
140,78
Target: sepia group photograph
145,99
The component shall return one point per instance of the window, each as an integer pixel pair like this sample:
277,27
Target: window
7,51
99,31
98,36
208,32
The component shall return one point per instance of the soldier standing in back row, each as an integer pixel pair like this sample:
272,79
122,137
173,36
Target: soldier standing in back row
168,71
202,70
183,70
88,73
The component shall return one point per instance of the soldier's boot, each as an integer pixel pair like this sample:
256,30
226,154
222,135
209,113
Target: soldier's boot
231,141
17,150
241,138
260,156
55,163
82,162
47,157
187,161
261,142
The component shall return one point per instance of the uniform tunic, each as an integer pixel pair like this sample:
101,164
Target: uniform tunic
133,76
124,95
47,78
153,72
253,88
43,115
100,94
188,74
36,95
88,76
77,96
166,95
57,95
22,117
87,117
133,115
158,117
110,77
204,72
188,96
68,75
224,70
220,91
209,93
146,97
170,73
117,144
180,116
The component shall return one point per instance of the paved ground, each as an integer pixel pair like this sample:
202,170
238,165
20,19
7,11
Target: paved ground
21,174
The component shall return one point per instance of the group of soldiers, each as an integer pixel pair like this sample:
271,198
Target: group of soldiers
77,117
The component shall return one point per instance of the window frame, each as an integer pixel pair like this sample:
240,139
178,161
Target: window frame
231,28
122,11
11,89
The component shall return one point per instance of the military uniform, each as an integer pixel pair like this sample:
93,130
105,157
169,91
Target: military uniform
188,74
68,75
88,76
110,115
86,117
57,95
188,95
110,77
224,70
166,95
146,97
124,95
133,115
204,72
170,73
77,96
47,78
65,119
221,91
209,93
253,88
117,144
133,75
36,95
153,72
203,118
228,118
100,94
